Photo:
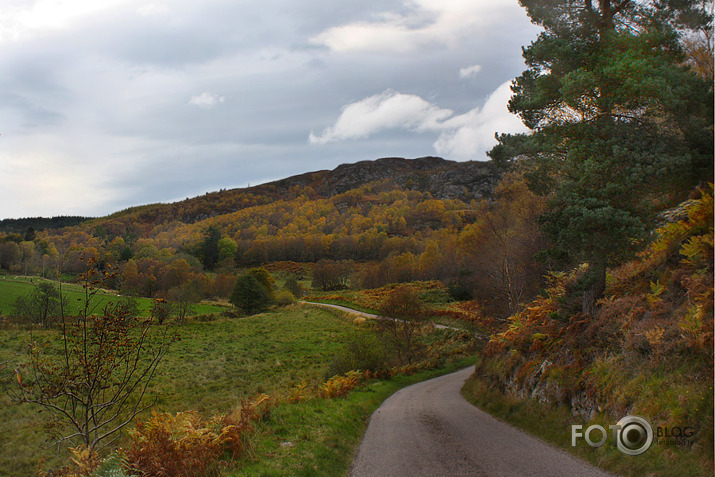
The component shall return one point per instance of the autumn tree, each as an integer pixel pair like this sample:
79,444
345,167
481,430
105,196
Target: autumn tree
27,250
98,383
404,314
264,278
130,278
619,125
227,248
501,246
330,275
183,298
10,256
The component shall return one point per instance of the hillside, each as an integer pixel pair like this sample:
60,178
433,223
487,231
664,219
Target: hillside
391,220
441,178
647,352
21,226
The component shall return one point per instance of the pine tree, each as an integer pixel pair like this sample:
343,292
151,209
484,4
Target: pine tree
620,126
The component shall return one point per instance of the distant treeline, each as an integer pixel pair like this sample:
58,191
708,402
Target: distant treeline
20,226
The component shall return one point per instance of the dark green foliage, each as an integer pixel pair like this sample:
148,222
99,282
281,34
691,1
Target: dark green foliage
30,234
18,226
294,287
620,128
42,306
250,296
460,291
126,255
208,250
364,352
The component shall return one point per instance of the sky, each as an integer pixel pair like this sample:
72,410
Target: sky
108,104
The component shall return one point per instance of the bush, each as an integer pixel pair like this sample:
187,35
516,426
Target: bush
294,287
364,351
284,298
405,307
178,445
460,291
184,445
250,295
341,385
263,277
42,306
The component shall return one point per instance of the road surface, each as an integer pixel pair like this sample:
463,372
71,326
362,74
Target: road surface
428,429
366,315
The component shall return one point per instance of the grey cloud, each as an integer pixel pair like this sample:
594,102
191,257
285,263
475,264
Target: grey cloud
123,82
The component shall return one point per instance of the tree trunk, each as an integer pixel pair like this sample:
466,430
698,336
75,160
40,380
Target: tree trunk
596,287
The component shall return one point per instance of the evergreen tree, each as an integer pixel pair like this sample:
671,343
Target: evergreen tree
209,249
620,127
250,295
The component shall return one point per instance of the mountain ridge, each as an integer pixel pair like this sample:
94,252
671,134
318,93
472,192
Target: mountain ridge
442,178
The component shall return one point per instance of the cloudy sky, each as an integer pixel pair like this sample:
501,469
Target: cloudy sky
106,104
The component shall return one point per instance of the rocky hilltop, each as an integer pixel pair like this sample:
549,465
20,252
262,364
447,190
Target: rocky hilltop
442,178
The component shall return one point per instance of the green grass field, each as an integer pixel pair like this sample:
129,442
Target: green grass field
11,287
215,365
212,367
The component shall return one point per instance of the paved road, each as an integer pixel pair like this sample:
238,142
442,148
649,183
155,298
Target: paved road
429,429
365,315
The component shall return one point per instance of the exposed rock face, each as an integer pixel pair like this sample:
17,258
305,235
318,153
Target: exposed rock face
547,391
441,178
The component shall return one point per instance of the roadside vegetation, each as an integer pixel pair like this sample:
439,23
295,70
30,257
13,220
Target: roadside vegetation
647,352
230,381
624,322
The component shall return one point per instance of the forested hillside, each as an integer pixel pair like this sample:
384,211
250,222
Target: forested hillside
387,221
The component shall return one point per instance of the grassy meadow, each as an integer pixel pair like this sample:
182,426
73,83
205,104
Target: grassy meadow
210,369
12,287
215,365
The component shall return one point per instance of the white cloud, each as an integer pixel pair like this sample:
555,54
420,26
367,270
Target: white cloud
469,71
153,9
29,19
427,22
463,136
389,110
471,134
207,100
98,97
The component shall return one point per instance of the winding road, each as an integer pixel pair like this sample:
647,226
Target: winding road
365,315
428,429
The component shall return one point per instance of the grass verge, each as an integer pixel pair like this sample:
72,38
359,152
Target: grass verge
319,437
553,424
